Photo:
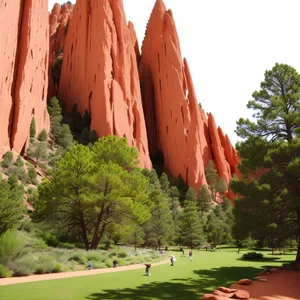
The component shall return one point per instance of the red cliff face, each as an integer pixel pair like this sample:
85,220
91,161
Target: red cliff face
23,70
176,126
100,74
58,23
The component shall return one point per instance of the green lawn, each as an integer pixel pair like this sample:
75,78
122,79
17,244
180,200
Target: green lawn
186,280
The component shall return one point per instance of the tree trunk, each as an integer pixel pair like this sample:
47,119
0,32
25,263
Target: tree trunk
297,261
83,232
96,239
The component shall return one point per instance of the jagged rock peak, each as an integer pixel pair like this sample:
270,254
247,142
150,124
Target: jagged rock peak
100,72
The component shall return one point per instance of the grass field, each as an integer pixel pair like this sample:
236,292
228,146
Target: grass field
186,280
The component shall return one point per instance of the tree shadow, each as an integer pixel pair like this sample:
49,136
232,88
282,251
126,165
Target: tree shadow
181,288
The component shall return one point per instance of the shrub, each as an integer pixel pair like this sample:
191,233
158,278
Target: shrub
43,136
50,239
24,266
57,268
10,247
32,175
18,172
7,159
108,263
19,162
66,245
252,256
122,254
45,264
5,272
79,257
95,255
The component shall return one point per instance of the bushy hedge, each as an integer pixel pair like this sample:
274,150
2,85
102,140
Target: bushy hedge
252,256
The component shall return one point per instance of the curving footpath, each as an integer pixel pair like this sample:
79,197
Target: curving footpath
43,277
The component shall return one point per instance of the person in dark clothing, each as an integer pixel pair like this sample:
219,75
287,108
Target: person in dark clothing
181,249
115,263
148,266
191,255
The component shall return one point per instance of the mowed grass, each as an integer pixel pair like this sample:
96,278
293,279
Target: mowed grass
186,280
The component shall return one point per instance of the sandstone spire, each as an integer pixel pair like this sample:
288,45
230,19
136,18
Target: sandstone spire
100,72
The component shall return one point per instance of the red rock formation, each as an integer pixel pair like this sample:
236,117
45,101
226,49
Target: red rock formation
58,22
100,72
176,126
23,70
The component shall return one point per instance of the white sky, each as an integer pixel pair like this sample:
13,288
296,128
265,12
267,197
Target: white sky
228,44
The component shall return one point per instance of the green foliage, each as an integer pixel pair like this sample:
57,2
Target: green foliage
100,188
19,162
32,175
191,195
182,188
39,151
65,137
204,200
11,204
32,128
270,161
18,172
191,229
7,159
55,113
11,247
252,256
56,70
5,272
215,184
43,136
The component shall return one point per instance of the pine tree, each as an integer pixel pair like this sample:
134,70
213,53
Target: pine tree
204,199
43,136
191,195
7,159
55,113
191,229
65,137
271,152
32,128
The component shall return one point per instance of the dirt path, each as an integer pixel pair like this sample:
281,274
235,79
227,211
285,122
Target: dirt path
282,285
33,278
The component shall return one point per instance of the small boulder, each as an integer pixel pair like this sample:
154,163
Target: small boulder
263,280
219,293
226,290
213,297
244,282
241,294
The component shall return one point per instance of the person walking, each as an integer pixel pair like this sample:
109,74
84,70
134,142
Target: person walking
191,255
172,259
148,266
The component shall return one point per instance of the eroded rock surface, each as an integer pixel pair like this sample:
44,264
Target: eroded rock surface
177,127
23,70
100,73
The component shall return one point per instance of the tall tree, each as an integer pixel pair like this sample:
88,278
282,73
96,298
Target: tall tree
11,204
204,199
32,128
271,150
55,113
191,195
89,190
191,229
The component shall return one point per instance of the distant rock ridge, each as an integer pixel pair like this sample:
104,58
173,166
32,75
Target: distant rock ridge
24,50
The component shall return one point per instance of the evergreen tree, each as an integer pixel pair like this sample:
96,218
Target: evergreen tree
92,189
191,229
164,183
182,188
32,128
43,136
215,184
65,137
19,162
11,204
271,154
7,159
191,195
55,113
204,199
32,175
160,228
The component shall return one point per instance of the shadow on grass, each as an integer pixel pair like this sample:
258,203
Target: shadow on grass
181,288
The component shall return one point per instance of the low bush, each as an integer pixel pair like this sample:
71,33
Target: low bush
45,265
24,266
5,272
108,263
252,256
